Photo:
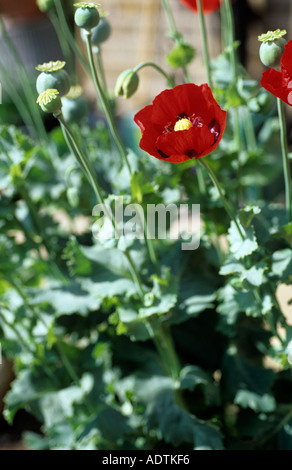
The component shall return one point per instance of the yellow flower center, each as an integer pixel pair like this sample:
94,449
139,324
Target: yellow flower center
183,125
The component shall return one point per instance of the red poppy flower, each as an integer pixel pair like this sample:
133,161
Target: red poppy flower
280,83
182,123
208,6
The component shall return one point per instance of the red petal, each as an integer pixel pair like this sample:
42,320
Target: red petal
286,63
149,131
208,6
272,80
181,145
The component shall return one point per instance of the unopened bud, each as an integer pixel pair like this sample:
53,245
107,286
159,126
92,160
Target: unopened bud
127,83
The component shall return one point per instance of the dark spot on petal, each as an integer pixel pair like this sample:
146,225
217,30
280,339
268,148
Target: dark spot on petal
214,129
191,153
162,154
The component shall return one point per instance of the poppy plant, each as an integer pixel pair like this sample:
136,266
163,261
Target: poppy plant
279,83
208,6
182,123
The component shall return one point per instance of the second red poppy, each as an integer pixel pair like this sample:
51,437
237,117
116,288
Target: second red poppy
208,6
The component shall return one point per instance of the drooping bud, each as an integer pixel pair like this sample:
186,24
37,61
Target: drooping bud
86,15
272,47
53,76
50,101
127,83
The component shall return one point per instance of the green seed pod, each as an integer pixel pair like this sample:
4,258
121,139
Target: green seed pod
53,76
86,15
272,47
50,101
101,32
74,106
127,83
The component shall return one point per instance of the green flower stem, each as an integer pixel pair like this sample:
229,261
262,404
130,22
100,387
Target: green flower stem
230,31
18,102
205,43
170,80
249,129
70,38
114,132
162,339
226,204
175,35
229,27
171,22
64,44
77,151
105,105
285,156
224,29
26,85
100,67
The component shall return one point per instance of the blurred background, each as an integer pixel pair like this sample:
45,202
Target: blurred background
140,33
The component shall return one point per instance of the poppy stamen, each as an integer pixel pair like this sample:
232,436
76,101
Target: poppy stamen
183,125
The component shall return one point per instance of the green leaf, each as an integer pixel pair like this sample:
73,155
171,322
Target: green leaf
25,389
240,248
109,423
281,265
255,275
191,376
163,297
173,423
231,267
260,403
247,214
238,374
77,262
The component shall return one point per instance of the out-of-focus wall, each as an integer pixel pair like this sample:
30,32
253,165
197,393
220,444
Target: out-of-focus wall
140,33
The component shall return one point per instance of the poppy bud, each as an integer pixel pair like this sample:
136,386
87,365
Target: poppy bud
127,83
45,5
53,76
50,101
272,47
181,55
86,15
